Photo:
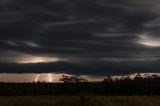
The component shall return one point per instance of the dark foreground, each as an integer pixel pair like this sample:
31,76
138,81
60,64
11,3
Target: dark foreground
121,88
80,101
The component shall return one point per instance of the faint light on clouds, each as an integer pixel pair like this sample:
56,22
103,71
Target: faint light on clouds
35,59
22,58
147,40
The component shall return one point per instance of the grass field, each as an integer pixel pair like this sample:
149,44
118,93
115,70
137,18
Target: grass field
80,101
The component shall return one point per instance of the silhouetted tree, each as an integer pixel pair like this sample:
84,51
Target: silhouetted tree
73,78
108,79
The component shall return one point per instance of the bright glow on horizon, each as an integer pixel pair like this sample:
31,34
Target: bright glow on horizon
54,77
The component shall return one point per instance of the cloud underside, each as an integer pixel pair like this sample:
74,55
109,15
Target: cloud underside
83,37
94,69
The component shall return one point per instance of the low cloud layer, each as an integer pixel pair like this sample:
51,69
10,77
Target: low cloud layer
93,37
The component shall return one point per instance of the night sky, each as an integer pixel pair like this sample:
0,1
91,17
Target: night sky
89,37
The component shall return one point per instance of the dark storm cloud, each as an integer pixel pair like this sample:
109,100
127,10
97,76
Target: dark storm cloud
98,69
122,34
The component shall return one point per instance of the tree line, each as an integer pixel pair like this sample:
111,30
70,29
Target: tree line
75,85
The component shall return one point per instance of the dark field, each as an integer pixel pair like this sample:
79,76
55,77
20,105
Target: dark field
80,100
123,92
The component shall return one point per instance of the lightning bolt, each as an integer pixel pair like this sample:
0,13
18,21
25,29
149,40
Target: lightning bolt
49,77
36,79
